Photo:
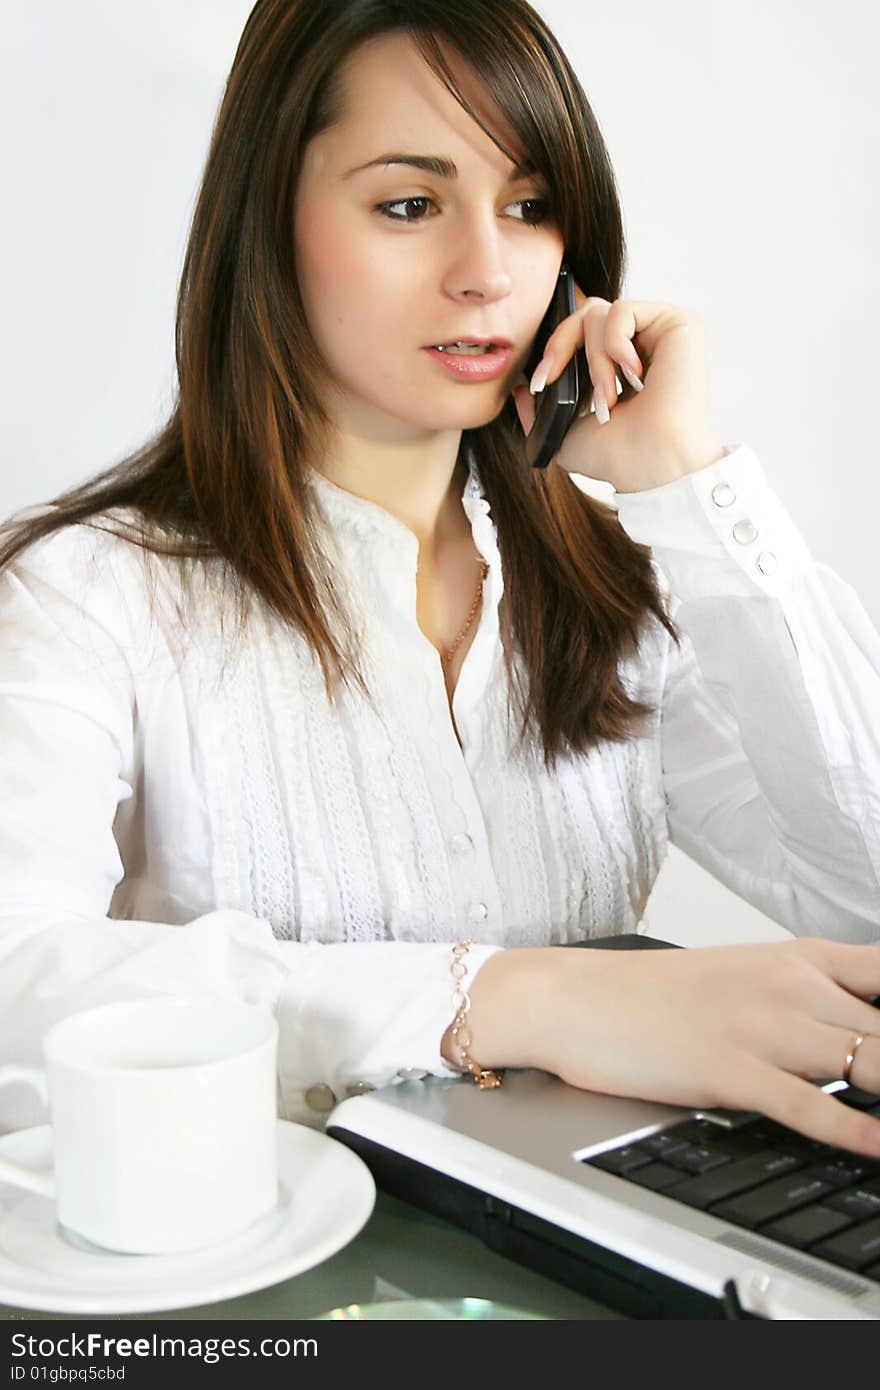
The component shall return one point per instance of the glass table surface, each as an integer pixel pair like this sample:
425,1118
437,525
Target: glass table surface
401,1255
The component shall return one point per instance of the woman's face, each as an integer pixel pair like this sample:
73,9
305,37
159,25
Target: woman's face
447,258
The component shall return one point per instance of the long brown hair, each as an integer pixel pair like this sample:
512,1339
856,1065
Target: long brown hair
224,479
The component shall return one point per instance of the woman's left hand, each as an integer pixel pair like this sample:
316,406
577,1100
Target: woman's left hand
660,428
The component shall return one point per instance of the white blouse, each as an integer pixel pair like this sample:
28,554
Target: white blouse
185,814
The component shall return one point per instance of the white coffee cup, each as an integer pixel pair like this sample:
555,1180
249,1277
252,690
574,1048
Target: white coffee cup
164,1118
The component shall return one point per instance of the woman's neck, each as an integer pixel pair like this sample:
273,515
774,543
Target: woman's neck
426,501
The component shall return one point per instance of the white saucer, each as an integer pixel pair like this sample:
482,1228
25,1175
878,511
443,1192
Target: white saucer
326,1195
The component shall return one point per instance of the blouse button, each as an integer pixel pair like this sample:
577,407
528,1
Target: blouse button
767,562
320,1098
478,912
411,1074
723,495
460,844
359,1088
745,532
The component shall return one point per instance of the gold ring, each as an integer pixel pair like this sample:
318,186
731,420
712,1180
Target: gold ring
850,1056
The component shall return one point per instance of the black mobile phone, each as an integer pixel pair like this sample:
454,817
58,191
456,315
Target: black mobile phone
557,404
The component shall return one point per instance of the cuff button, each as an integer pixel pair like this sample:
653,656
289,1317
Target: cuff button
320,1098
745,532
723,495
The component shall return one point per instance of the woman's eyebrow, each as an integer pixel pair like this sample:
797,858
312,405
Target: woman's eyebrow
435,164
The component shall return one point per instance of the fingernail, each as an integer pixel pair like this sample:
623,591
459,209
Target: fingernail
632,378
602,412
539,378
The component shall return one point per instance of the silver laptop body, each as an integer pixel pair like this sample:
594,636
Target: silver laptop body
509,1164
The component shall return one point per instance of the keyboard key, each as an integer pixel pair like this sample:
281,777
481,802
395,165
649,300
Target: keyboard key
698,1132
657,1176
785,1140
739,1141
621,1161
662,1143
857,1202
855,1248
735,1177
773,1199
843,1172
805,1227
693,1159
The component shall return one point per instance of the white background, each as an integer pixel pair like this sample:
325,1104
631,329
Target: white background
746,141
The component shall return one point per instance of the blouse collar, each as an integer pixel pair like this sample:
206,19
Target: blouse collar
381,553
363,522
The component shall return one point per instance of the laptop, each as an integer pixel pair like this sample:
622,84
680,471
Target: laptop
656,1211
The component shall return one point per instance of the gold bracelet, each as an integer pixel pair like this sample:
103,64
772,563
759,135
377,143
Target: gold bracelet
484,1077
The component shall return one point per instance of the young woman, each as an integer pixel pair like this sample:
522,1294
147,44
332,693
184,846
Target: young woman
326,683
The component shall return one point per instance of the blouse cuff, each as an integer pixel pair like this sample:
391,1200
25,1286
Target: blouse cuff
358,1016
720,530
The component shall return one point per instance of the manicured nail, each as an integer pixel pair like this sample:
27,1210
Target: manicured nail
539,379
602,412
632,378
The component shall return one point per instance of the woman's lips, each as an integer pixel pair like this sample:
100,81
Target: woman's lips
484,366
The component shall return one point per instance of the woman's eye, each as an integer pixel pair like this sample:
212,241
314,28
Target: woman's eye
540,203
385,209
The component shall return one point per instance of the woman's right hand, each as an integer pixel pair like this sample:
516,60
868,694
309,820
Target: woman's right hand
747,1027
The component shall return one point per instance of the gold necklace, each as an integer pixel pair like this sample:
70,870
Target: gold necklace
484,570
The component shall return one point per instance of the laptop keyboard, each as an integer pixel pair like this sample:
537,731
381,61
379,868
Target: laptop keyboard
767,1178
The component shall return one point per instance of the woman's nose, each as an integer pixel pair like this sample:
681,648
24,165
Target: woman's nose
478,269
